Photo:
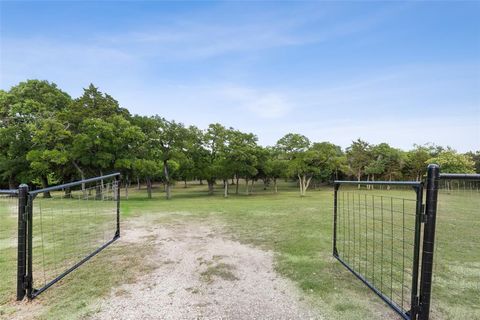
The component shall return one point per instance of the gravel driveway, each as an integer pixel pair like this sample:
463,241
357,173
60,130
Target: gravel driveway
202,275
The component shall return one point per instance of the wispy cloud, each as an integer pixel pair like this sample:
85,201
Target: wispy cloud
263,104
240,68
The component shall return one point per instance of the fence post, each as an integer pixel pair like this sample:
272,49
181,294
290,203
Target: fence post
22,241
433,175
117,192
29,276
335,201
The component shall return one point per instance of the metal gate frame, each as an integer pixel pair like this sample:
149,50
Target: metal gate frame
423,248
418,188
25,236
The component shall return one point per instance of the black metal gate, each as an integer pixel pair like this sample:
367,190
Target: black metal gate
58,232
378,237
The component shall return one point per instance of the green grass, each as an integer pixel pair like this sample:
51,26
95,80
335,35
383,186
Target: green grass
298,230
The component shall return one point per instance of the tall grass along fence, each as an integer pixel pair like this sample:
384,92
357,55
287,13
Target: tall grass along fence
384,233
44,238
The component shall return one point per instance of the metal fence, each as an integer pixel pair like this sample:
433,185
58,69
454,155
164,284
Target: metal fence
387,240
56,233
376,236
8,244
456,265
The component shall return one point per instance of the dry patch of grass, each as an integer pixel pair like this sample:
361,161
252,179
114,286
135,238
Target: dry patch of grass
220,270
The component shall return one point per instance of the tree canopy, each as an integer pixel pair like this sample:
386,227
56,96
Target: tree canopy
48,137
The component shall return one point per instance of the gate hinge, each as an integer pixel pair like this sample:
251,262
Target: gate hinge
27,280
412,313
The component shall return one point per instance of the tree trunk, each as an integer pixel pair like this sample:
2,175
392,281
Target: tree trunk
236,186
225,188
98,192
185,183
126,187
11,183
300,183
253,184
102,186
210,186
82,174
138,183
149,188
246,184
167,179
233,182
275,185
359,176
201,182
305,184
44,181
68,193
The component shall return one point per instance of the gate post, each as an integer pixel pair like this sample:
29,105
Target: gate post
117,198
22,241
335,214
433,175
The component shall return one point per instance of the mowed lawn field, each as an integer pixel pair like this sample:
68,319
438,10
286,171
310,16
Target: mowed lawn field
298,231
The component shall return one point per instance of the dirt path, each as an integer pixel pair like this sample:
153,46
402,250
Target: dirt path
201,275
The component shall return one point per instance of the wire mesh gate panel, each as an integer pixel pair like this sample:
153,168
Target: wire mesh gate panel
69,226
456,265
8,244
376,237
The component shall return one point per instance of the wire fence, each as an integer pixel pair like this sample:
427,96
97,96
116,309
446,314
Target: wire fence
456,269
69,226
8,244
44,238
376,232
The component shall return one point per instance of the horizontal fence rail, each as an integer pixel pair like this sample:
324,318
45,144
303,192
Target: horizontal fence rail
376,236
74,184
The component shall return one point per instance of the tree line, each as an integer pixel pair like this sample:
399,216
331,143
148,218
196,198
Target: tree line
47,137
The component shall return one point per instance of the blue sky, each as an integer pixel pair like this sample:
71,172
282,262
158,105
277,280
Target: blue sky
396,72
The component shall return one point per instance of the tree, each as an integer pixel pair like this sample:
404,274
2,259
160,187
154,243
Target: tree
415,161
94,108
214,141
15,143
49,151
329,158
148,170
358,157
275,166
170,139
28,111
105,145
304,168
305,162
476,158
452,162
292,143
241,152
